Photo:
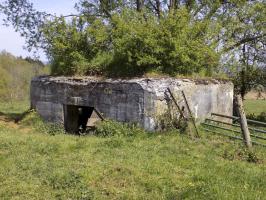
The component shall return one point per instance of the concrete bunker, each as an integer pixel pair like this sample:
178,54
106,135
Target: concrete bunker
75,102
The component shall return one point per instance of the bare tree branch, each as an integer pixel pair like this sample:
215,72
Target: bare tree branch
243,41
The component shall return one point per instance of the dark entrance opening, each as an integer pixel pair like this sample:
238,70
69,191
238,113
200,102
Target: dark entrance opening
84,115
76,118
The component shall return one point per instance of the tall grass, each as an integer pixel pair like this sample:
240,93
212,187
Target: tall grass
137,165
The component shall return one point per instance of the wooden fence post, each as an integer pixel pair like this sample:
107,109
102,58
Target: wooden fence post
190,114
243,121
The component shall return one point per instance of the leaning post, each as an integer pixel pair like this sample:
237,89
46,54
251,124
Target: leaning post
243,121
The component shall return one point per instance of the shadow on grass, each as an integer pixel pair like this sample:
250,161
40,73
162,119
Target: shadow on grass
13,116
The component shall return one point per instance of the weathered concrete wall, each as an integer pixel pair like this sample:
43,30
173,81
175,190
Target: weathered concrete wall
136,100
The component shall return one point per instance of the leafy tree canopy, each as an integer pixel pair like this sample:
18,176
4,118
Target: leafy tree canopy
130,38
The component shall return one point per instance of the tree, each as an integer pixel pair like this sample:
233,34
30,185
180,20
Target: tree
225,27
244,44
248,78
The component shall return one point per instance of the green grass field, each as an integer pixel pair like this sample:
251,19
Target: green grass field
35,164
255,106
13,109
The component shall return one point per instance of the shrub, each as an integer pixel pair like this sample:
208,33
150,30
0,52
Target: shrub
171,45
260,117
76,48
131,45
241,154
34,120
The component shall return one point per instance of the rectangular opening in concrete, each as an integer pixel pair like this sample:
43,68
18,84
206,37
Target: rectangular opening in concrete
79,119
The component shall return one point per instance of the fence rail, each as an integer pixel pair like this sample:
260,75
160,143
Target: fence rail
237,118
233,130
232,137
236,125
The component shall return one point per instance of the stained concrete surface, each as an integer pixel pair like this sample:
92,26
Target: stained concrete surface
139,100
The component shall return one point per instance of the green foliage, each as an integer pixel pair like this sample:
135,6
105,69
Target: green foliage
109,128
249,78
241,154
76,50
15,76
131,45
169,121
5,79
244,40
260,117
119,38
34,120
171,46
13,108
131,38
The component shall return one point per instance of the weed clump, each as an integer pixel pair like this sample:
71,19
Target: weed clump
34,120
109,128
168,121
260,117
242,154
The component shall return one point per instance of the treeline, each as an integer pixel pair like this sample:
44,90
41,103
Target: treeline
16,74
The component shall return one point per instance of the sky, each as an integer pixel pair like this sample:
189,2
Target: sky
13,42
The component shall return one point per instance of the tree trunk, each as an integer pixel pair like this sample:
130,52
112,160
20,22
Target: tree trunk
173,4
140,4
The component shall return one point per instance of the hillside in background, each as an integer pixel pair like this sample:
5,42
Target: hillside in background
15,76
